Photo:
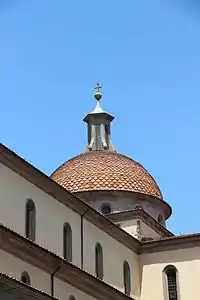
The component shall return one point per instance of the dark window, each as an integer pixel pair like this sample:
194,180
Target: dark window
127,278
106,209
147,239
99,261
30,220
67,242
25,278
71,297
171,278
98,140
107,133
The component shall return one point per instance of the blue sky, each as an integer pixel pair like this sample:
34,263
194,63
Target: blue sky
145,54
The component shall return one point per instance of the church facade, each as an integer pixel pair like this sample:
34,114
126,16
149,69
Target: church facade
95,229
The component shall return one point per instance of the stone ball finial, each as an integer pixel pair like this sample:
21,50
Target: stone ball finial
97,94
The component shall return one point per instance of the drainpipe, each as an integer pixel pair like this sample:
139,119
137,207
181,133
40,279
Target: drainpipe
82,244
52,277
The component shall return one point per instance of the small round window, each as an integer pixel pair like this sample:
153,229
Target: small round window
106,209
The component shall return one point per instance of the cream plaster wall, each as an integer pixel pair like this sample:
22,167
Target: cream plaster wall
114,254
187,262
130,226
63,290
50,217
13,266
149,232
50,214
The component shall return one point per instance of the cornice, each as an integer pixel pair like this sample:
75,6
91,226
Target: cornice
47,261
21,290
42,181
45,183
142,215
171,243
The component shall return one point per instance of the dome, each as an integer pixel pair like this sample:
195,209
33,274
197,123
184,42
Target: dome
105,170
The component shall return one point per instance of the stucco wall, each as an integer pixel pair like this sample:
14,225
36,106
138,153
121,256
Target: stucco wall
13,267
131,227
114,254
50,214
120,201
187,262
50,217
64,290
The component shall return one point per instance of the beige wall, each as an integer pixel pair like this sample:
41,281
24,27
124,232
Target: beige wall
187,262
50,214
14,267
130,226
64,290
50,217
114,254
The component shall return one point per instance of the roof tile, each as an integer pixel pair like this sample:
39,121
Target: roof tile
105,170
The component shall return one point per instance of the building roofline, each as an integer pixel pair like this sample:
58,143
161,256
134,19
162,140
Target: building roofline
171,243
142,215
20,287
49,186
45,183
47,261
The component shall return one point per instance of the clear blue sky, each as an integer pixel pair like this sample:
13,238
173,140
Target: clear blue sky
145,54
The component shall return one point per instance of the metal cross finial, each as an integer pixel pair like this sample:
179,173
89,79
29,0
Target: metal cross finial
98,87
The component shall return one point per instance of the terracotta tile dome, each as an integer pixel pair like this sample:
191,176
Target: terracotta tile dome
105,170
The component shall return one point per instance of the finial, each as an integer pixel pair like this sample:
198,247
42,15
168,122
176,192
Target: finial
98,95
